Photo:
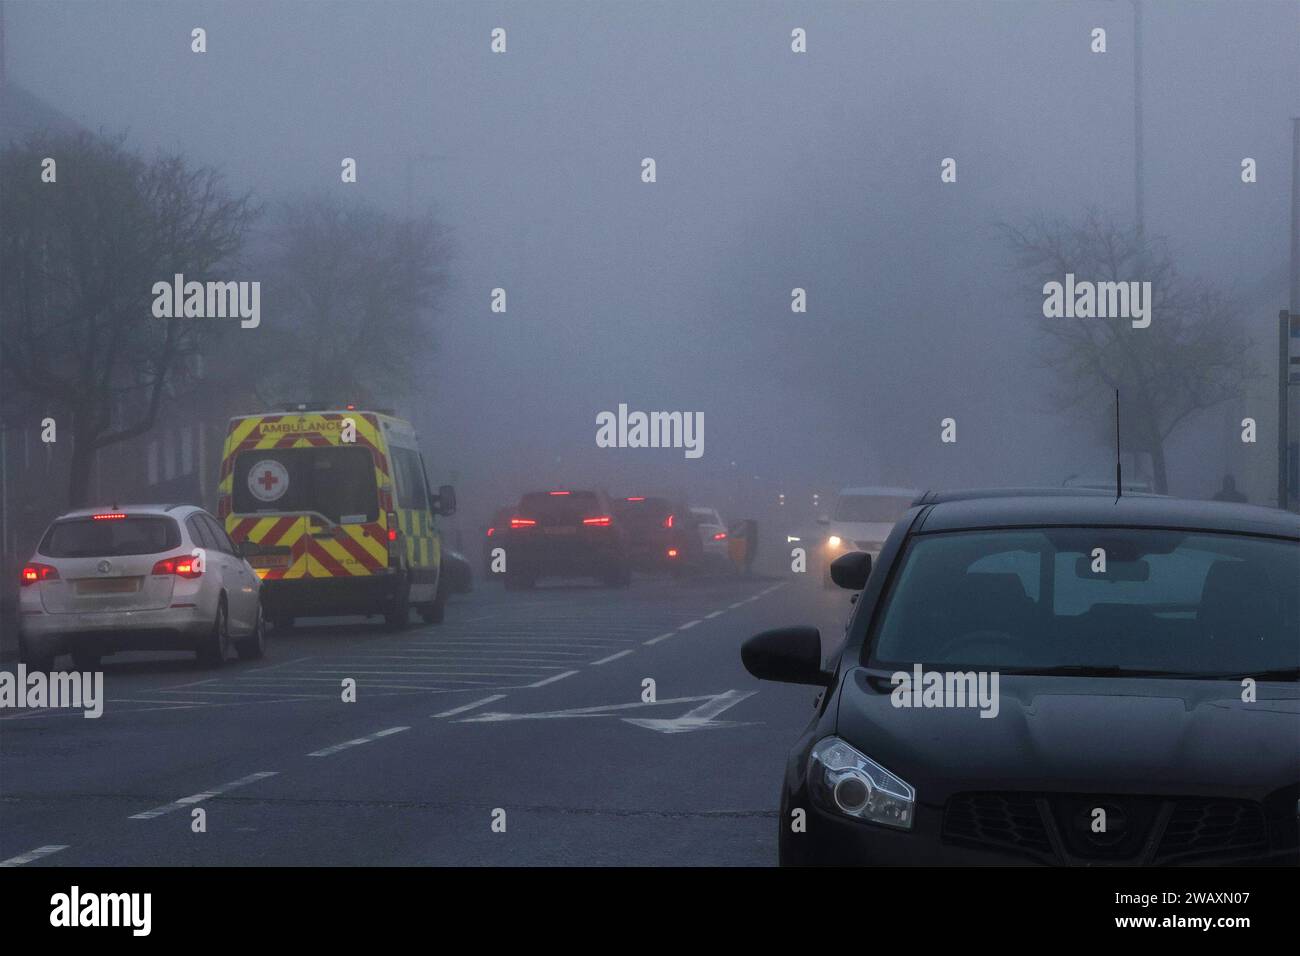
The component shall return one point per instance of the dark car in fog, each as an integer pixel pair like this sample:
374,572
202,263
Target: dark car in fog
1062,678
662,533
565,533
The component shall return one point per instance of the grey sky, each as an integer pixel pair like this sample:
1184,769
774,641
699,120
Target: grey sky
775,171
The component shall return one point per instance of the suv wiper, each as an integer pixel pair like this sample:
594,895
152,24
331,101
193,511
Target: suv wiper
1094,670
1280,673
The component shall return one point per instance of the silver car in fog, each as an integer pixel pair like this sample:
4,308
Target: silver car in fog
143,577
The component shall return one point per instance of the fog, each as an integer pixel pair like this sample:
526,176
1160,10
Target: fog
775,170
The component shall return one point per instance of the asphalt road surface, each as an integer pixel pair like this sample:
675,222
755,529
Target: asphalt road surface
524,702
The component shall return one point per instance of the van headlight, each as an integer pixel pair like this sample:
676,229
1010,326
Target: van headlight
833,541
849,783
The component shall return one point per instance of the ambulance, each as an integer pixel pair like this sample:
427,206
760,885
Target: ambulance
332,508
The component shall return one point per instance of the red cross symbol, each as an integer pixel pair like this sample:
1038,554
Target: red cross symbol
268,480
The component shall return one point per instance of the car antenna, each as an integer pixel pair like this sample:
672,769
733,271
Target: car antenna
1119,479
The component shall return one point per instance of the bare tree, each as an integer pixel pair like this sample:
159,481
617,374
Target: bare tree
78,260
1193,356
354,290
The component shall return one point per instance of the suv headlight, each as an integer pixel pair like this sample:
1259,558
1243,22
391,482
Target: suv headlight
849,783
833,541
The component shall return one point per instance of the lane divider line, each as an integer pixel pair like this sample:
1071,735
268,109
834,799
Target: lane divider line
552,680
464,707
189,801
36,854
709,617
661,637
612,657
329,751
688,625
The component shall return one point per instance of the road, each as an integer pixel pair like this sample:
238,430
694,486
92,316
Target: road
524,702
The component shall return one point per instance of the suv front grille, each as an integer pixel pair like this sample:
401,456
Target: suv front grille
1209,827
1008,820
1054,827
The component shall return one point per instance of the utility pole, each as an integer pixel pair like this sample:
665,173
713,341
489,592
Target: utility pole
1139,206
1284,330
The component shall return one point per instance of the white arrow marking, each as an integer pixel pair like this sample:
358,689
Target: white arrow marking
602,710
700,718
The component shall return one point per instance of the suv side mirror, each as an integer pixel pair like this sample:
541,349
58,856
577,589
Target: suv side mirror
446,504
851,570
791,655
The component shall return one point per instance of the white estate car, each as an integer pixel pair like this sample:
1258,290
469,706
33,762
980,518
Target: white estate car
861,521
143,577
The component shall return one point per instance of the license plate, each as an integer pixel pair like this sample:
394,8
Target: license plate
564,529
108,586
269,560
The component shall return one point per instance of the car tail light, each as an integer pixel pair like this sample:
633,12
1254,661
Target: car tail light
634,499
182,567
522,522
668,522
560,492
111,516
601,521
32,573
672,552
719,536
491,531
392,527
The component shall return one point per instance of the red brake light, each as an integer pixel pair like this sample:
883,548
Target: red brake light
34,572
634,499
491,531
182,567
522,522
668,522
672,552
392,527
392,534
602,521
719,536
560,492
112,516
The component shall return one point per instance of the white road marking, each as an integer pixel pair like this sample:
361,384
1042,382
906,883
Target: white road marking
661,637
200,797
699,718
329,751
464,707
552,680
601,710
709,617
688,625
612,657
737,604
36,854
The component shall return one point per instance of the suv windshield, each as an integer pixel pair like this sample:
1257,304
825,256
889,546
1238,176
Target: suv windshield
334,481
871,508
110,537
1094,598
